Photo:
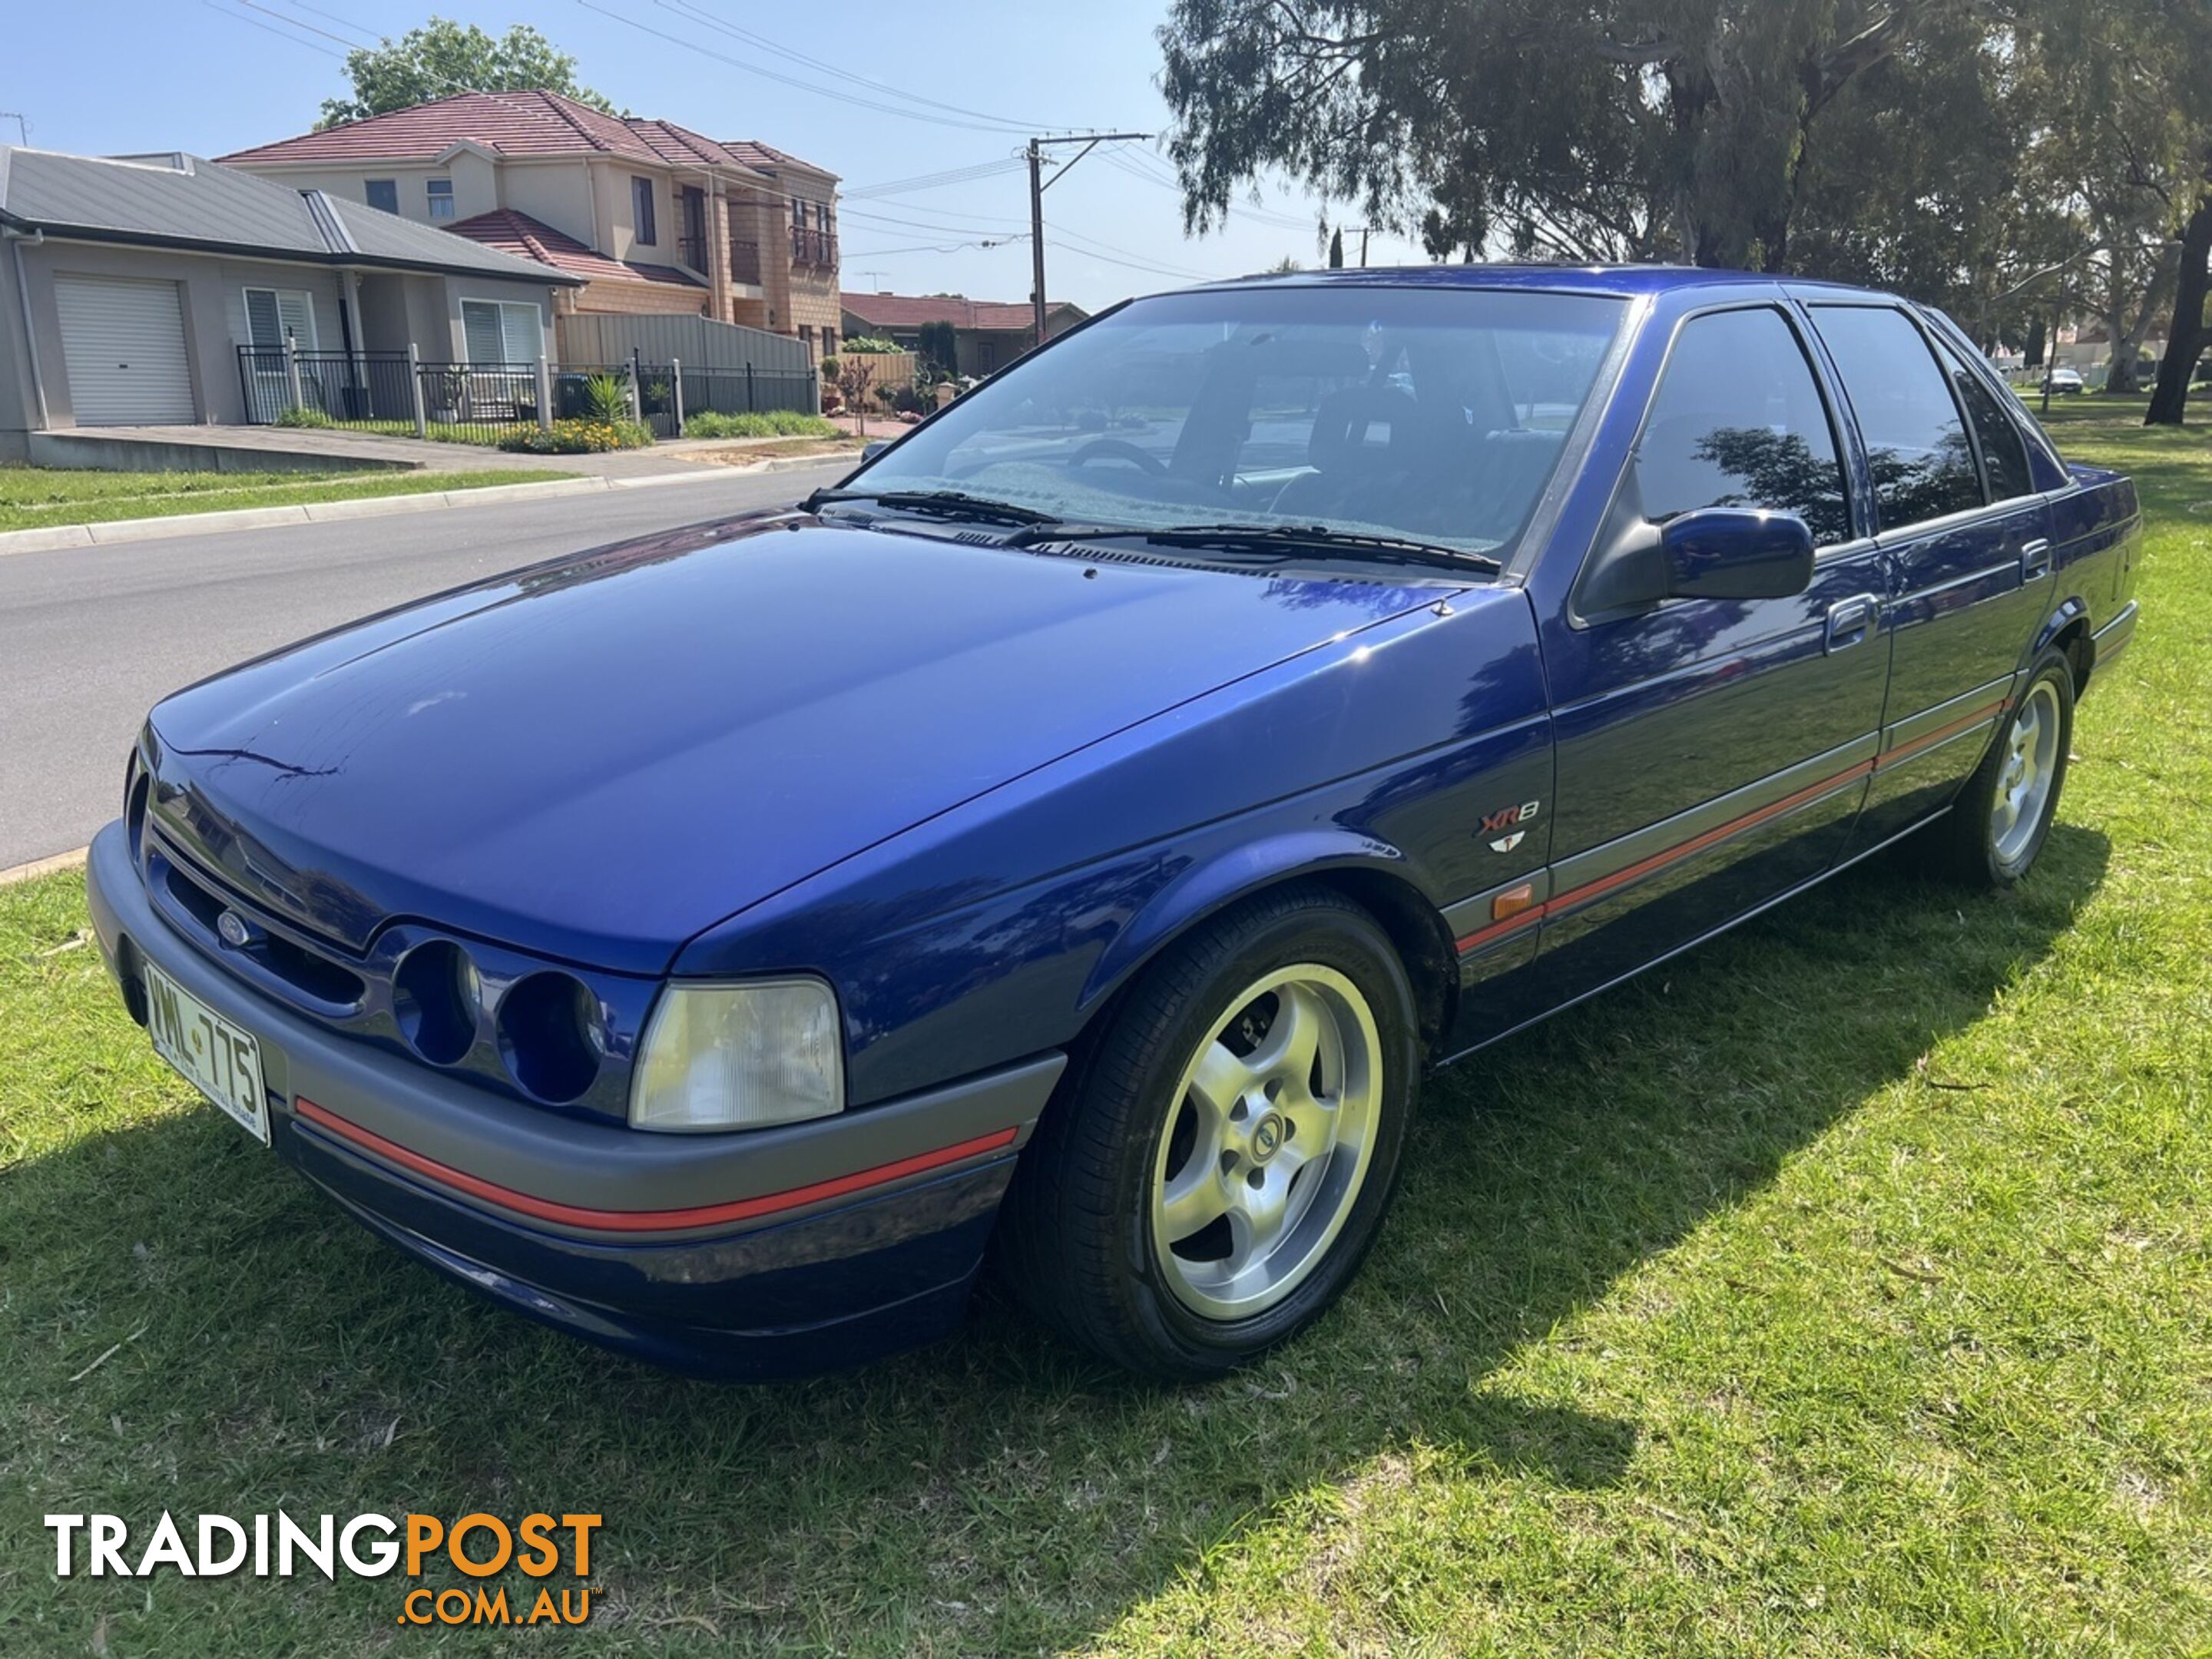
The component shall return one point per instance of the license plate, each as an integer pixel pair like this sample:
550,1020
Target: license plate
217,1058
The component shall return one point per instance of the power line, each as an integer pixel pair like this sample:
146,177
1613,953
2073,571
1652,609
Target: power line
934,181
332,17
271,28
700,14
813,87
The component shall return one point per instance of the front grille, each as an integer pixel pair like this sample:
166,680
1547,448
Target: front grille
318,979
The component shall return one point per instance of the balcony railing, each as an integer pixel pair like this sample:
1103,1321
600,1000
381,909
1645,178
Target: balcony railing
692,250
812,247
744,262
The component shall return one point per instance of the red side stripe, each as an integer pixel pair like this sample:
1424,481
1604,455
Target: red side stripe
1906,750
642,1221
1603,884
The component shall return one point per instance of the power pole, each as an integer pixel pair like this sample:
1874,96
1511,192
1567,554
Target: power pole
1036,237
1038,185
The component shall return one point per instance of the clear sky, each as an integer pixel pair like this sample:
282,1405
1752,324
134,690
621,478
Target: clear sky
104,77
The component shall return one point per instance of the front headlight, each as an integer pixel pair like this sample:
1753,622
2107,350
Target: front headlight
740,1057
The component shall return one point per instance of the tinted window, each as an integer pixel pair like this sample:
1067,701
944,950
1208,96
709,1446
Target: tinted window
2004,457
1436,413
1738,422
384,194
1916,442
640,197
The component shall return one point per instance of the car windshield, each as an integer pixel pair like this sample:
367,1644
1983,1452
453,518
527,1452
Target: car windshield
1420,414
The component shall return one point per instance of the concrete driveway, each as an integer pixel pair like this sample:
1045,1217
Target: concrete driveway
90,637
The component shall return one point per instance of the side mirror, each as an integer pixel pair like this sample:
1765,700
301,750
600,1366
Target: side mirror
1712,553
1736,553
869,452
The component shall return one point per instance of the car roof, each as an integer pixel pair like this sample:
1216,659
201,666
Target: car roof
1624,281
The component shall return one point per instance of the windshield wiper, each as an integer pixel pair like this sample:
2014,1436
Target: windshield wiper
943,503
1268,539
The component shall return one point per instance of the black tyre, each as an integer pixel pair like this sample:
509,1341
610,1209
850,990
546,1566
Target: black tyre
2004,815
1213,1176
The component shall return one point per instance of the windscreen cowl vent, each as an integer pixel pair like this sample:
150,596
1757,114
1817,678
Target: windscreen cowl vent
1091,553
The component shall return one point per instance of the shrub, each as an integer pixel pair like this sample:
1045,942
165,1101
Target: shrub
606,398
772,423
872,343
303,418
577,438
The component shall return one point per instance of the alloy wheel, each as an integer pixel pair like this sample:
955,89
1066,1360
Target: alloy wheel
1264,1152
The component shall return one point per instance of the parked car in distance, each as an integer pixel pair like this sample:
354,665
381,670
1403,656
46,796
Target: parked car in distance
1073,838
2066,381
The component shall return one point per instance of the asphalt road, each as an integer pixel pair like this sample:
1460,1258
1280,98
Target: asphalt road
91,637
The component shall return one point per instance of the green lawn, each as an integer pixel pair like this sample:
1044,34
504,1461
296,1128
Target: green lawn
1843,1288
32,498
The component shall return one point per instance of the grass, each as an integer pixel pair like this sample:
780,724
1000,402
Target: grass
1843,1288
37,497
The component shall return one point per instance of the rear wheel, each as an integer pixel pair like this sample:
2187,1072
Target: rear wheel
2004,815
1216,1172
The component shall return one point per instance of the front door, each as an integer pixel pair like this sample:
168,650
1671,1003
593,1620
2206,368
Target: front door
1967,545
1713,753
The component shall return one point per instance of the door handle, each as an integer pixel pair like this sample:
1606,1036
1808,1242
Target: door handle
2034,559
1850,621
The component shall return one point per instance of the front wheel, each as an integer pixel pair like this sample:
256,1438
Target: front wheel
2004,815
1213,1176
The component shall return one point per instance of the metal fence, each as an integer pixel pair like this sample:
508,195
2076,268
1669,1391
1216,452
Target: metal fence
392,393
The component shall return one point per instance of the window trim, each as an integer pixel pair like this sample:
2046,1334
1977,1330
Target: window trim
1957,515
313,343
502,306
432,196
644,212
2031,430
1946,355
1858,542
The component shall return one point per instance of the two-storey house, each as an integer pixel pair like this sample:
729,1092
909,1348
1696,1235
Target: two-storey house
652,216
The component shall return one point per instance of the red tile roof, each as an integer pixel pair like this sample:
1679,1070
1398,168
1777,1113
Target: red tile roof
513,124
768,158
526,238
909,311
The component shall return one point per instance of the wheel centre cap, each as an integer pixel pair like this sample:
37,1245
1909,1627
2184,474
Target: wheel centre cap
1267,1138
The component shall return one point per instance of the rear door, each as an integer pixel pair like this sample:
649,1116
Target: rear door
1967,545
1713,753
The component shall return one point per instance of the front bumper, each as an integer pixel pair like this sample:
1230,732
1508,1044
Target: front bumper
774,1252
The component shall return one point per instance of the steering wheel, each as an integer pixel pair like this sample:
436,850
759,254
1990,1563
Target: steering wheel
1118,449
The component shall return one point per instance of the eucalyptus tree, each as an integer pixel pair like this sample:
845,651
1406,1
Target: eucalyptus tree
1592,128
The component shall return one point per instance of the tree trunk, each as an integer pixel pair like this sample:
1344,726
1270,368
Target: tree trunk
2120,371
2185,338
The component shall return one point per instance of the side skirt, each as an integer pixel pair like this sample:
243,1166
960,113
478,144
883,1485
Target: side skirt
1759,909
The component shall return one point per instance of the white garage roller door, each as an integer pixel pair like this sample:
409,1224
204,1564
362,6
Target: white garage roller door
123,340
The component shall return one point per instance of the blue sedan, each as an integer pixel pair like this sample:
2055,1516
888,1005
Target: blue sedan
1069,842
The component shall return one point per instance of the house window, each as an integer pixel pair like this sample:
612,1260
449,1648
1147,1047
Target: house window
384,195
441,197
502,331
806,335
273,313
641,200
829,342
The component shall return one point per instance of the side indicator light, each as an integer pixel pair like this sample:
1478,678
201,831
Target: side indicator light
1512,902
